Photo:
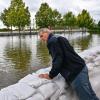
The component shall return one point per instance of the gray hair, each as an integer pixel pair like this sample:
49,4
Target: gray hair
44,30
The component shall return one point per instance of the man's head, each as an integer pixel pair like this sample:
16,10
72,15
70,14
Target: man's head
44,33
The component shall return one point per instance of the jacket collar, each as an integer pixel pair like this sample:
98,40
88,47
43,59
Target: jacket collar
50,35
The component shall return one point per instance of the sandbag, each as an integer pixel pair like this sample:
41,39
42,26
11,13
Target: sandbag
34,81
37,96
19,90
47,90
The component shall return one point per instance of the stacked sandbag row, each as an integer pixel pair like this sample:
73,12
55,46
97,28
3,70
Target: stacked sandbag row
91,57
31,87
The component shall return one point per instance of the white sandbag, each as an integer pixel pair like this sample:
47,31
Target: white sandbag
39,82
86,53
95,81
60,82
63,97
30,98
19,90
70,97
29,78
37,96
89,59
97,61
93,52
71,94
97,58
47,90
96,49
34,81
90,66
57,94
2,96
7,96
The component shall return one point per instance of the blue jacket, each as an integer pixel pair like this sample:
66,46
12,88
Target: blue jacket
64,59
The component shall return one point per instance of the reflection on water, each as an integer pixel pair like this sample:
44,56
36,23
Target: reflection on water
20,56
81,43
42,53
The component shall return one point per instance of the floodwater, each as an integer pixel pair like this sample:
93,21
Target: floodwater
20,56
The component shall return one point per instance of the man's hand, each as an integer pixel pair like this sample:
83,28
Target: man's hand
44,76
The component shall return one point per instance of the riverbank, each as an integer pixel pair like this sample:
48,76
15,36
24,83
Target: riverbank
56,89
16,33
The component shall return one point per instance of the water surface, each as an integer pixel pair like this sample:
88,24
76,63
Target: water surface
20,56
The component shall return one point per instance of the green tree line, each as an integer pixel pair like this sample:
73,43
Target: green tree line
18,15
46,17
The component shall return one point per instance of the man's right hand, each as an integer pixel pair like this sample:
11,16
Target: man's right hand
46,76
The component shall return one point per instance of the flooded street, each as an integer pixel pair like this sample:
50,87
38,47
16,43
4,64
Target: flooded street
20,56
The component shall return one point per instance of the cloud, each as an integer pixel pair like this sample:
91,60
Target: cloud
91,6
4,4
63,6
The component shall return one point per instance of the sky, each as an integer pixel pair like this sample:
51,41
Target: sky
63,6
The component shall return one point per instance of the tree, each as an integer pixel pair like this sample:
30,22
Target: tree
84,20
69,20
21,14
17,15
56,19
3,17
98,25
44,16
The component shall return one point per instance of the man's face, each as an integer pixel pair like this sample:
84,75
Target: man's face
44,36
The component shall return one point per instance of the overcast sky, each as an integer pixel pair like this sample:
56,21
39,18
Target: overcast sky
63,6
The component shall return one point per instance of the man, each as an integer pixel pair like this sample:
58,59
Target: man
68,63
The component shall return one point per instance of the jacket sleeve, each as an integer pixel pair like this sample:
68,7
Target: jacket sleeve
57,58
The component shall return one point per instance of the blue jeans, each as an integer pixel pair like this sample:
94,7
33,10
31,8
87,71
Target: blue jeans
83,87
